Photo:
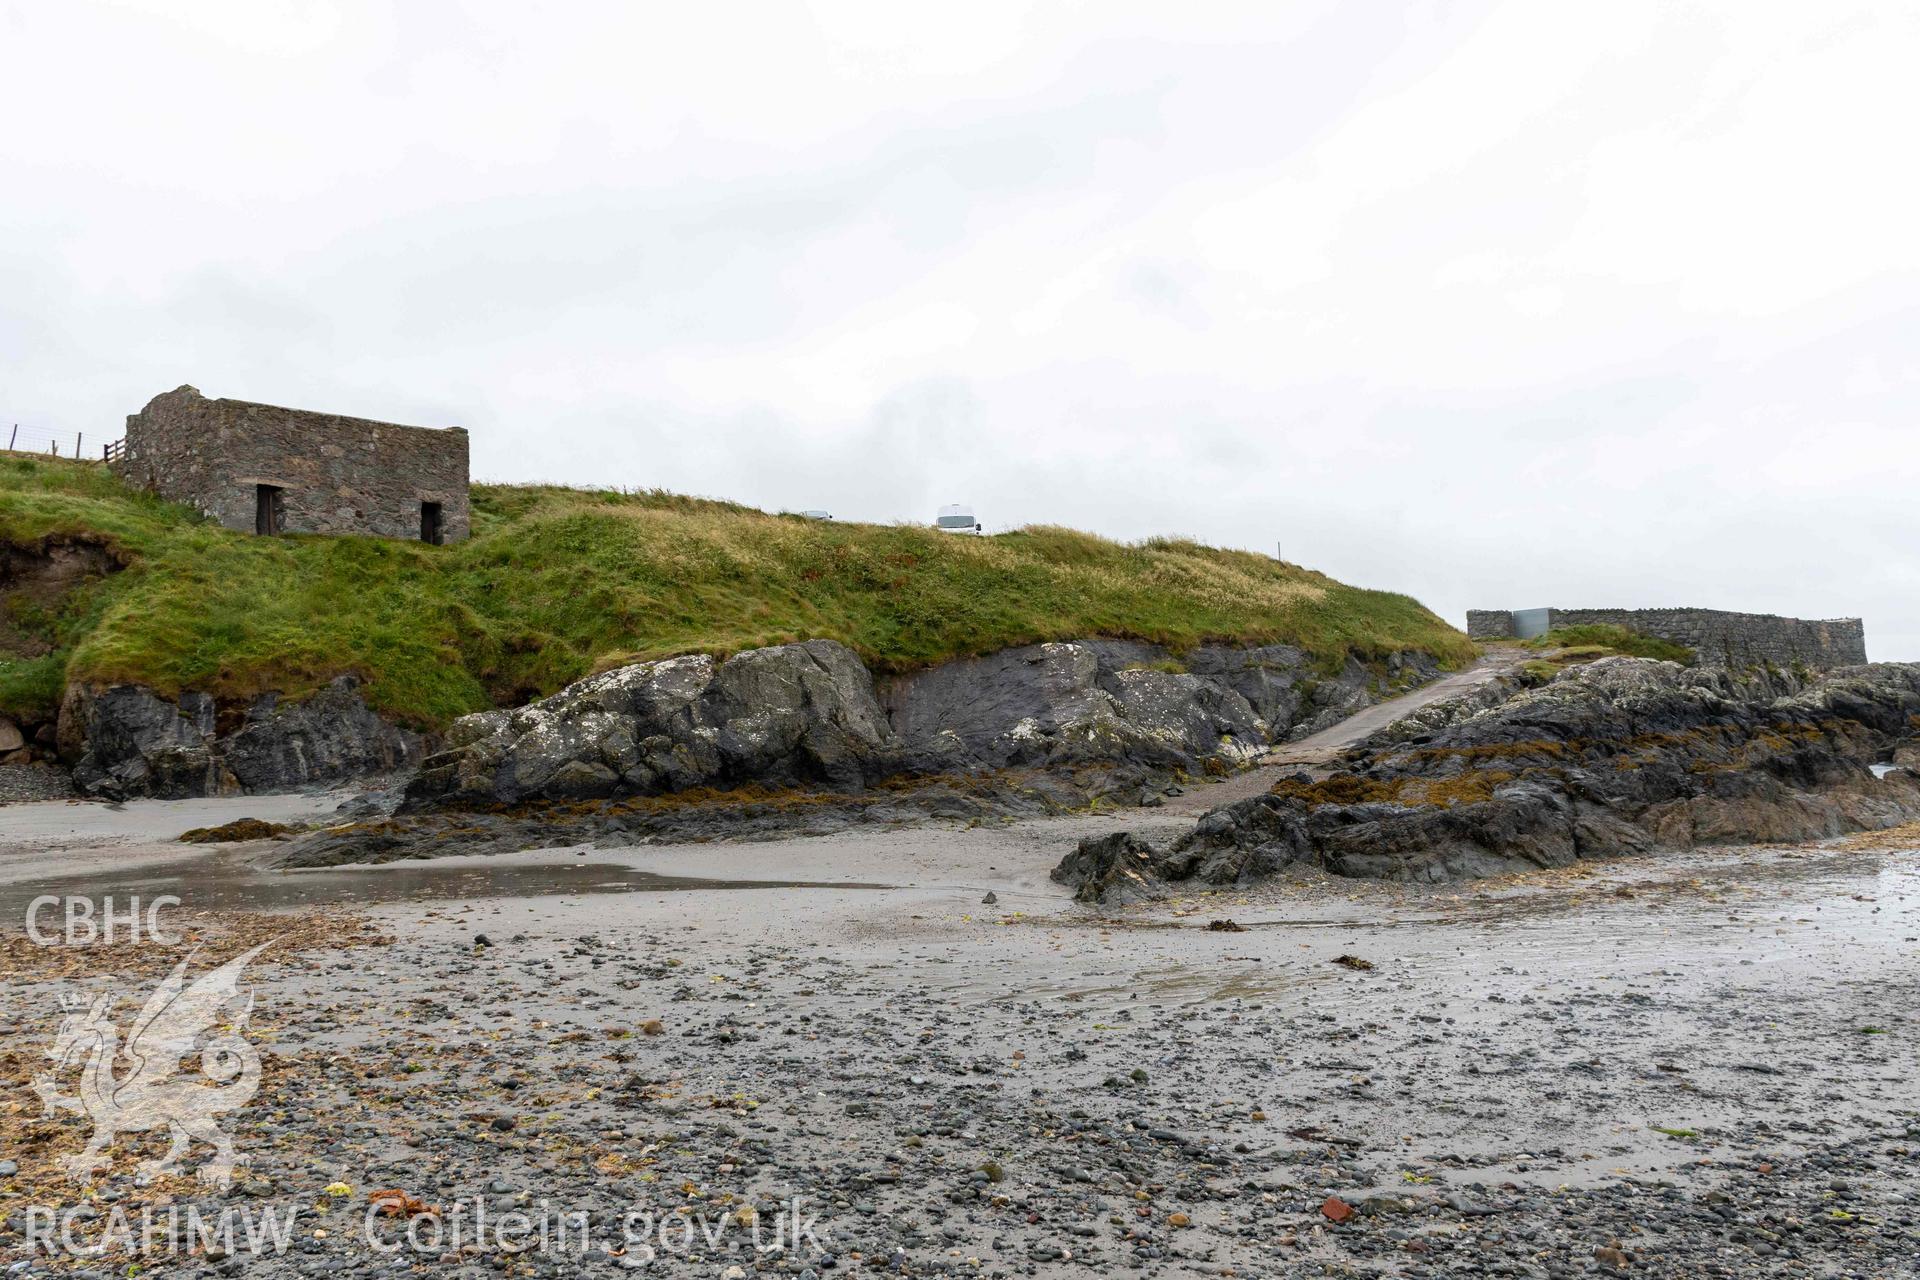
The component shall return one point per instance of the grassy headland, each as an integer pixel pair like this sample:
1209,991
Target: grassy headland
558,582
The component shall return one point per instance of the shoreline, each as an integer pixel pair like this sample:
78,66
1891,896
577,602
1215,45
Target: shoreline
1518,1047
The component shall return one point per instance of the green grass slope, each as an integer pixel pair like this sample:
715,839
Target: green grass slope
556,583
1604,640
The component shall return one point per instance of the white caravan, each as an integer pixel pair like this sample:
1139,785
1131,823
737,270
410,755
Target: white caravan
957,518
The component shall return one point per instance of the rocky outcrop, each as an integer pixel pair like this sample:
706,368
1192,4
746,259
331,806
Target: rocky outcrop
1059,704
132,742
811,715
1619,756
331,735
800,715
793,714
138,744
1114,870
1096,700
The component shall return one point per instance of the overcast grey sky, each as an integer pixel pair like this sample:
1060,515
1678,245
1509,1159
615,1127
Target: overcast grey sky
1499,304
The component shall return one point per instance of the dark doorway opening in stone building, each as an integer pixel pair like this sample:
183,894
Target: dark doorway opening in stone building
269,509
430,522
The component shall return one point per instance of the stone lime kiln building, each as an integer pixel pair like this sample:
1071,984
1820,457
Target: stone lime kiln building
270,470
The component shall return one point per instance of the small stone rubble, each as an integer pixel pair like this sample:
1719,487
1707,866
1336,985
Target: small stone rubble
990,1097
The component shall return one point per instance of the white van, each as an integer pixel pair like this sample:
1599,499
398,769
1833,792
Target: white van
957,518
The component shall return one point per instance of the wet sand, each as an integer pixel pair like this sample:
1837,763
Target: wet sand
1696,1064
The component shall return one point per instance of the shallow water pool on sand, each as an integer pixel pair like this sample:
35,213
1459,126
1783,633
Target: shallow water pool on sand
213,884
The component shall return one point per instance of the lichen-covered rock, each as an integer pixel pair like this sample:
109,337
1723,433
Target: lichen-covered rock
1068,703
1618,756
792,714
811,715
132,742
1037,705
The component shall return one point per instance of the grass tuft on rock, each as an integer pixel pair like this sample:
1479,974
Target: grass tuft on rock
556,583
1572,645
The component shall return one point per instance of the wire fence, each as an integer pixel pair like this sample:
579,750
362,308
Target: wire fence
24,437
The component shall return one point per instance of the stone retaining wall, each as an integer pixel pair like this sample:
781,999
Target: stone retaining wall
1719,638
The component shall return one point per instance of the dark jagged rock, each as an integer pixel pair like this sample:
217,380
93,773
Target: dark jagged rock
332,735
799,715
1069,703
1072,702
794,740
811,715
138,744
132,742
1619,756
1114,870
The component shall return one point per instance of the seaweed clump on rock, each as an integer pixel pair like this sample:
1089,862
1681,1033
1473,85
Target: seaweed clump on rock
1620,756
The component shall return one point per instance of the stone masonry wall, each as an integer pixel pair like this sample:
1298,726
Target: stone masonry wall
336,474
1719,638
1490,624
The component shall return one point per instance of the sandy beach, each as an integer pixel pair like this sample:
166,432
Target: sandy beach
1677,1065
